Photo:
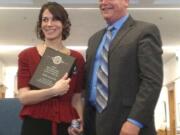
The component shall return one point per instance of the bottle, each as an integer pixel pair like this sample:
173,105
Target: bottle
75,123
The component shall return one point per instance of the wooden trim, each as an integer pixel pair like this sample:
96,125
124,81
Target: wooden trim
172,108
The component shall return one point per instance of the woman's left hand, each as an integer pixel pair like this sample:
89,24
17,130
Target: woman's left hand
76,131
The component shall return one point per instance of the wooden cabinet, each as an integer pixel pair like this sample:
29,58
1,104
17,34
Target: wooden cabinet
2,91
161,132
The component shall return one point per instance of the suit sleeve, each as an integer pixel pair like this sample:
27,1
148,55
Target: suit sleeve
150,74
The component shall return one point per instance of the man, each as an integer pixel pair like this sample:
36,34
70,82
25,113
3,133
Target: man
134,72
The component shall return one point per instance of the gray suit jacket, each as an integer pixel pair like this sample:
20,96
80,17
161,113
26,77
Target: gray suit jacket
135,79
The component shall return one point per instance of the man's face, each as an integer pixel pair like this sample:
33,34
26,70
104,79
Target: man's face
112,10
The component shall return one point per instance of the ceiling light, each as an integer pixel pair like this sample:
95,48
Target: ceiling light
171,49
76,47
13,48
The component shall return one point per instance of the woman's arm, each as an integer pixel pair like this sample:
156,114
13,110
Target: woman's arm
78,104
27,96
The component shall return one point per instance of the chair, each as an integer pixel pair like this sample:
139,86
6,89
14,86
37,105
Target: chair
10,123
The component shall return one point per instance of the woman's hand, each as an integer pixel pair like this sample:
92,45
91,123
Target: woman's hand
61,87
76,131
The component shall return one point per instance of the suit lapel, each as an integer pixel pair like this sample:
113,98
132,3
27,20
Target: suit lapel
120,34
97,41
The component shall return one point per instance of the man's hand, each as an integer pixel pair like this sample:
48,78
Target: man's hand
129,129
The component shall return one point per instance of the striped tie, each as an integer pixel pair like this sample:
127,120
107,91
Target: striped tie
102,74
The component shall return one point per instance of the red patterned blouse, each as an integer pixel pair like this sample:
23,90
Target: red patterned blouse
58,109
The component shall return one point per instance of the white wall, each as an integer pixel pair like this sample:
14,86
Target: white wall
171,74
162,108
170,70
10,81
1,72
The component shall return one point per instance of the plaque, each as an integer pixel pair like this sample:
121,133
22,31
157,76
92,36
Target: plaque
52,67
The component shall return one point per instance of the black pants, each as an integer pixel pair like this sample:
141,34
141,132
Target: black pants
33,126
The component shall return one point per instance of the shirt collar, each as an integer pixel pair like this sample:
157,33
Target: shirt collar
119,23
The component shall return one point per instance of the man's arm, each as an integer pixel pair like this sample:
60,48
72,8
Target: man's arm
150,74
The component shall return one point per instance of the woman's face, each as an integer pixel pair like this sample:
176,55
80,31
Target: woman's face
51,27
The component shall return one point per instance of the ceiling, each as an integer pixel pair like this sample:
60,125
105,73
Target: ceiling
18,19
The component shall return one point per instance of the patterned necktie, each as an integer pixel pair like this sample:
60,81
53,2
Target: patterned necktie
102,74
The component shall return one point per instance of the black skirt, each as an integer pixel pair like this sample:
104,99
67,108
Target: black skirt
33,126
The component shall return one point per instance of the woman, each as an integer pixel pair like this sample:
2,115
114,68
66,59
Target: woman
49,111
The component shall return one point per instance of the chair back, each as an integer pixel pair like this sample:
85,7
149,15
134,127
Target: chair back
10,122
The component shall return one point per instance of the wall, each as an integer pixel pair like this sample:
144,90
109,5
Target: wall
162,108
1,72
171,74
170,70
10,79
